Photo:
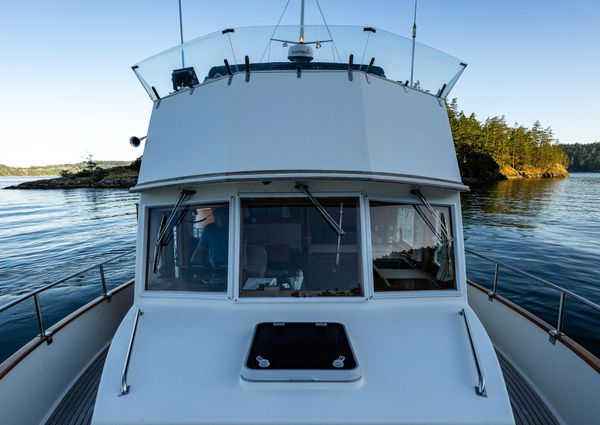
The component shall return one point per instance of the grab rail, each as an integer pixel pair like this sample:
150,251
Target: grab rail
124,384
35,294
564,293
480,388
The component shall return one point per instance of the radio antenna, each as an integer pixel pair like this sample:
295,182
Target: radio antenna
414,36
181,36
301,39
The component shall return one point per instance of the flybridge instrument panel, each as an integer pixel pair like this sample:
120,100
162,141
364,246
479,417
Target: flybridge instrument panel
298,351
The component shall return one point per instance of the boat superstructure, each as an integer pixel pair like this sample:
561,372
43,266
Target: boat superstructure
300,256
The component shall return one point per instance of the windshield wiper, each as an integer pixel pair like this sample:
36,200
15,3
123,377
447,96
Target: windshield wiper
339,238
337,228
445,237
166,226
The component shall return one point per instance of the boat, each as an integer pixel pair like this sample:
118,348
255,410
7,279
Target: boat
300,257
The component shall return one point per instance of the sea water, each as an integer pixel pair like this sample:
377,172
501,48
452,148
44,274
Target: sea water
547,227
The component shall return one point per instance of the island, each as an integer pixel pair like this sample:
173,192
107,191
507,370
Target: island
88,174
493,150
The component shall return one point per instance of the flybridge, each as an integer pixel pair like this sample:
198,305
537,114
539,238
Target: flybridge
327,48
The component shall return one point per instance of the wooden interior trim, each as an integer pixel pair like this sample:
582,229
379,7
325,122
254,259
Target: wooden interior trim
28,348
572,345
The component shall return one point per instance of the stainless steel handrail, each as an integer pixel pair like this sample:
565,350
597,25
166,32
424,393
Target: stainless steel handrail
124,384
35,294
480,388
562,291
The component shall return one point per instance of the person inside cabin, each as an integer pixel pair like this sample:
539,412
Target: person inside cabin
212,248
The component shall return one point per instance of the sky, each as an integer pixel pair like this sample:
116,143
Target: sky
67,89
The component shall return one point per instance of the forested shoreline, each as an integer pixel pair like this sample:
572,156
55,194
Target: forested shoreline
92,174
583,157
494,150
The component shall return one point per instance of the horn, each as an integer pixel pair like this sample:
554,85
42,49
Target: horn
135,141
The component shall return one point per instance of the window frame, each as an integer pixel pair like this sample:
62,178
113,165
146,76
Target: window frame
291,195
457,291
161,293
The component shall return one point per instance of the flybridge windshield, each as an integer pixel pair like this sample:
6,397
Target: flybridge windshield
323,48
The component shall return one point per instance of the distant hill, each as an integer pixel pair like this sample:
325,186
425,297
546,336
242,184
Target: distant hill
55,170
583,156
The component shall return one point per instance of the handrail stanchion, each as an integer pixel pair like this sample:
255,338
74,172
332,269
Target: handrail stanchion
556,333
103,282
40,319
492,294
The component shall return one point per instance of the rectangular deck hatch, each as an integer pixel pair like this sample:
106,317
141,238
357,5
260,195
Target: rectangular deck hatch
299,351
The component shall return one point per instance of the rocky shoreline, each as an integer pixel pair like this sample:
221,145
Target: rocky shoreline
78,183
122,178
508,173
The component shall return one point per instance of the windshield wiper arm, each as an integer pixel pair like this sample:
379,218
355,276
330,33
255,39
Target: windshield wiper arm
339,238
439,222
332,223
165,225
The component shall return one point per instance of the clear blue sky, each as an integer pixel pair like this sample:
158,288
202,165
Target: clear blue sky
66,88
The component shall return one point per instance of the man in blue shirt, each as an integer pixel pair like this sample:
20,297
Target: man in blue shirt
214,242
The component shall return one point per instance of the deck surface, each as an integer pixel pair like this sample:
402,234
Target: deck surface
78,405
527,406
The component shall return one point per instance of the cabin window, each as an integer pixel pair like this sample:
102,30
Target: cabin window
412,248
290,248
193,251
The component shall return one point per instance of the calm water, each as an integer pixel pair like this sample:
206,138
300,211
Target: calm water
550,228
46,235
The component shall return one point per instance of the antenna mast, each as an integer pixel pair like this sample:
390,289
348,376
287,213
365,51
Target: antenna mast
414,36
181,36
301,40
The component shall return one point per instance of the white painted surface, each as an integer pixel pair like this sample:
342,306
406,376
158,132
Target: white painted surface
280,124
567,383
31,390
415,357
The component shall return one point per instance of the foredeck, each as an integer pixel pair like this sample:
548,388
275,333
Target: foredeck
77,406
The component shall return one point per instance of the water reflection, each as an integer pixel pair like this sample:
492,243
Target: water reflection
512,202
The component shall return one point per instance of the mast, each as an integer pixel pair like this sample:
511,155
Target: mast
414,36
301,40
181,36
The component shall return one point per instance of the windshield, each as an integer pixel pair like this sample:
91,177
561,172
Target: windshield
194,253
267,48
288,249
412,248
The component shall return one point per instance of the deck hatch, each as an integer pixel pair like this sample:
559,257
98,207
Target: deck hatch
300,351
